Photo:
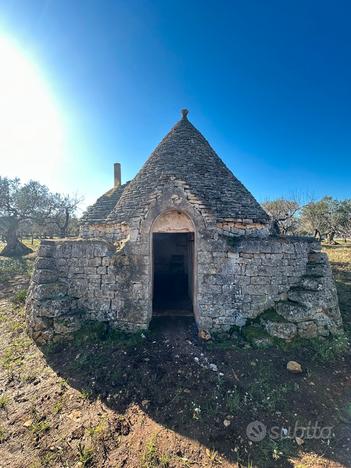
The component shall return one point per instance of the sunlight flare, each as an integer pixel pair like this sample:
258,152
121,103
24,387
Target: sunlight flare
31,131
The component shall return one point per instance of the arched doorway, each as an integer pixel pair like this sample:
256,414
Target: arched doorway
173,260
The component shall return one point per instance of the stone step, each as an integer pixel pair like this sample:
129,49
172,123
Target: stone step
292,311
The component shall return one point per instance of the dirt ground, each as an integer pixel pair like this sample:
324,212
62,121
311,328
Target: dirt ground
168,399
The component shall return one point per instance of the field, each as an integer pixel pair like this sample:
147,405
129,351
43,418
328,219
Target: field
167,399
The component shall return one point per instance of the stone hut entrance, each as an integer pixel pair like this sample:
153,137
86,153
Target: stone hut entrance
173,274
173,263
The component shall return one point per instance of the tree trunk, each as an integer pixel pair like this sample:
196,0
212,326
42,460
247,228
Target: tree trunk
317,234
63,228
14,247
330,237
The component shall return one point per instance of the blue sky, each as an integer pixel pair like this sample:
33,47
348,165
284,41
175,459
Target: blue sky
267,82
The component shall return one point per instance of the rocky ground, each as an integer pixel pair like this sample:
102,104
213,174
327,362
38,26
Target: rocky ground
170,399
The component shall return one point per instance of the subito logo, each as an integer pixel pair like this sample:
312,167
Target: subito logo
256,431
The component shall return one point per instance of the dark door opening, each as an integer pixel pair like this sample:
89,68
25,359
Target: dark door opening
173,274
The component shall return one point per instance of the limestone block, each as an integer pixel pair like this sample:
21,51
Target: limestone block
46,263
311,283
49,291
101,270
307,329
95,261
53,308
293,312
41,276
46,250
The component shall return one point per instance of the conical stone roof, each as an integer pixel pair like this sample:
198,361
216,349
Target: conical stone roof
99,211
185,155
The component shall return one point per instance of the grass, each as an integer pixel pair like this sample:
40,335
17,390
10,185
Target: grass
10,267
330,349
265,391
26,242
14,355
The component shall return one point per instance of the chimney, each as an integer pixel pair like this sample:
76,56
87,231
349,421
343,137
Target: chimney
117,171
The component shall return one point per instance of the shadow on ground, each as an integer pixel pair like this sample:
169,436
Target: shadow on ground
211,392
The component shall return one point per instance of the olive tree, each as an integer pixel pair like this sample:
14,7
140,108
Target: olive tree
327,218
284,212
19,203
65,207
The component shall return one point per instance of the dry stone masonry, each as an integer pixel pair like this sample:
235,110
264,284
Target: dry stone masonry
239,271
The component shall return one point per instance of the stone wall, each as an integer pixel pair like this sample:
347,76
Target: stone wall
244,227
111,232
79,280
237,280
289,275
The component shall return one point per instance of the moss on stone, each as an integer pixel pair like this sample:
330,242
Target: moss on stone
95,331
233,241
271,315
256,335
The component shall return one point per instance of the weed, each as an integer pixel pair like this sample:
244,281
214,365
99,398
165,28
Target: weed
164,460
86,394
150,459
57,408
29,377
98,431
3,434
233,400
4,399
196,410
212,455
85,455
39,427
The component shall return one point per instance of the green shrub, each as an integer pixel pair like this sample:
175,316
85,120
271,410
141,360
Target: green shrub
20,297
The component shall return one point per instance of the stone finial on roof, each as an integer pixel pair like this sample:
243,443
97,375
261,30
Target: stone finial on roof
185,113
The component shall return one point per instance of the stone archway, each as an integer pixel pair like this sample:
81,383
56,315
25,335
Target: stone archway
173,265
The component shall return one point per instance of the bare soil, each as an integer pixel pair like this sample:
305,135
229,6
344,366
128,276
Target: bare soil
169,399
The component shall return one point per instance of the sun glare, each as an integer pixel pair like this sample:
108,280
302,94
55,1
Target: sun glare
31,131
